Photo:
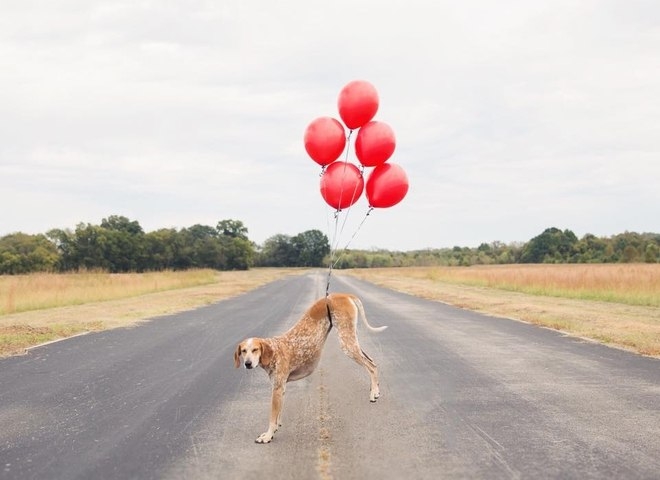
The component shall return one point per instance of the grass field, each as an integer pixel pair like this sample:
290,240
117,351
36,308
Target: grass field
615,304
632,284
22,293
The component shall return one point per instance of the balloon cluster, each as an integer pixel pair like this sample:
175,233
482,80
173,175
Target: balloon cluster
342,182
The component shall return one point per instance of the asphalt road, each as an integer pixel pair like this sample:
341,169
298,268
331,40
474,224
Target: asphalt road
463,396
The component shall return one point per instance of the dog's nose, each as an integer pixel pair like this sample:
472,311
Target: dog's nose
248,364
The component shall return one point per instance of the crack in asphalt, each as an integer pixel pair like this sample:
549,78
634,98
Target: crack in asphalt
325,435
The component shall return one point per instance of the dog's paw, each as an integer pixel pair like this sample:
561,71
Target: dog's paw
374,396
265,437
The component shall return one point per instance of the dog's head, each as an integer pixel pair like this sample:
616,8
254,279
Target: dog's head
254,352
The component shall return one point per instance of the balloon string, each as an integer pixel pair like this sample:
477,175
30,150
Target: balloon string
333,261
348,209
343,176
337,235
339,231
352,238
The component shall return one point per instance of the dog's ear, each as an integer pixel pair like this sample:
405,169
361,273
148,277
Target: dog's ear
266,354
237,356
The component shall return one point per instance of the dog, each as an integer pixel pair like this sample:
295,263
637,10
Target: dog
296,353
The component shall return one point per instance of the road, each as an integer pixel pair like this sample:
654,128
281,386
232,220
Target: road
463,396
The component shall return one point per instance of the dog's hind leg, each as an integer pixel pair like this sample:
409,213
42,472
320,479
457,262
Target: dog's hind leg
351,347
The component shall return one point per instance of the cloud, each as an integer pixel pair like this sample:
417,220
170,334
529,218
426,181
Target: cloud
509,116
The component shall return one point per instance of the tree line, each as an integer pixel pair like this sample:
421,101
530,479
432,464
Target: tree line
551,246
121,245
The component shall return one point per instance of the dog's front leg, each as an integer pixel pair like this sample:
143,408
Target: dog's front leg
279,417
275,410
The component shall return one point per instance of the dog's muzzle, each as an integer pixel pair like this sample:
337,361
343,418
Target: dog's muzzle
248,365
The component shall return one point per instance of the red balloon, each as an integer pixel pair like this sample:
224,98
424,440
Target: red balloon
387,185
325,140
341,185
358,103
374,144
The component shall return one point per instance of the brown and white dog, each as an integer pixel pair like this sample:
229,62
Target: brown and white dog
296,353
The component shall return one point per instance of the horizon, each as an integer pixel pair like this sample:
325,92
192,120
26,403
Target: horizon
340,247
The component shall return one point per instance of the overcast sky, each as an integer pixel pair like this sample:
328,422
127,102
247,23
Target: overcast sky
510,116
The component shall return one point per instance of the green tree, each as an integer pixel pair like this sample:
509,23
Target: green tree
381,260
64,241
232,228
159,248
590,249
199,247
630,254
89,247
23,253
201,232
121,245
120,223
238,252
277,251
552,246
310,248
117,245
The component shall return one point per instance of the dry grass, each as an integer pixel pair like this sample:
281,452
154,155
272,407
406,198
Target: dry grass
579,299
22,293
633,284
129,299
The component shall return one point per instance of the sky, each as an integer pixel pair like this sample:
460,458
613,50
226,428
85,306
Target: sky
510,117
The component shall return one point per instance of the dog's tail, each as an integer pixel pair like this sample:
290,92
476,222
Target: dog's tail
360,308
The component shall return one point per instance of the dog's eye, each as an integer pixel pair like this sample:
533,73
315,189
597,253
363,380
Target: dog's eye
244,351
255,350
